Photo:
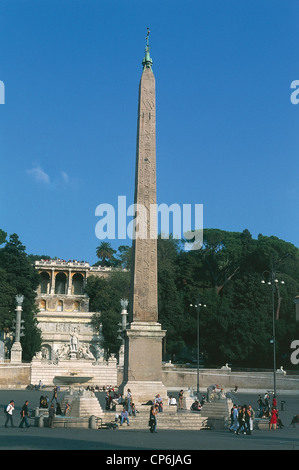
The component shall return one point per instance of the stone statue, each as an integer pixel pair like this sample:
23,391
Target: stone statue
63,352
74,341
85,352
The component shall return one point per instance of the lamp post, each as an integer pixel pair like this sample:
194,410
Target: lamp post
16,350
197,306
124,304
273,282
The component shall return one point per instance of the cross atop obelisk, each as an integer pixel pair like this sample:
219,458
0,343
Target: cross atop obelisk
143,355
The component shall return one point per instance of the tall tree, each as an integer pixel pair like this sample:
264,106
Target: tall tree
20,277
105,295
105,252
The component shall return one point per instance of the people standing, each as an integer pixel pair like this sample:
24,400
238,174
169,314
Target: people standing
51,415
129,401
252,417
210,390
9,409
181,397
58,409
107,401
273,419
24,415
153,419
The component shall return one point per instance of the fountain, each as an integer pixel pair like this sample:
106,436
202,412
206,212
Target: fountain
70,380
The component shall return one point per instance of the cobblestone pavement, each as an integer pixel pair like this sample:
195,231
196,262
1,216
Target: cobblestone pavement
36,438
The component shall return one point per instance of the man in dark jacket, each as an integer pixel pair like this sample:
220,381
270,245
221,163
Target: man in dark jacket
24,415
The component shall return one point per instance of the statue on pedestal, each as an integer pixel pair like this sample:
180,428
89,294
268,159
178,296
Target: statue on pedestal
74,341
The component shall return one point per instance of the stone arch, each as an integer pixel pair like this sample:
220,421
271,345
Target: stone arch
60,283
78,284
45,282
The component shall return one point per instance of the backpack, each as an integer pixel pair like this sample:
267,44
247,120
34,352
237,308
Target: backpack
5,410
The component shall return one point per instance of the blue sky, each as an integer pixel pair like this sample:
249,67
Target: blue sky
227,132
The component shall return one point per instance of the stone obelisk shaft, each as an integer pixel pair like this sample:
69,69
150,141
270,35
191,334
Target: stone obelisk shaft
144,277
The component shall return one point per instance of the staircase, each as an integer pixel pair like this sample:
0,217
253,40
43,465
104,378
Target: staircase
214,415
82,406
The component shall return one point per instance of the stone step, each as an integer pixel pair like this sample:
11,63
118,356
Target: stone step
213,415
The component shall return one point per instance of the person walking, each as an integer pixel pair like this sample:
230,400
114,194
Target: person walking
261,405
234,419
9,409
247,420
54,397
241,420
24,415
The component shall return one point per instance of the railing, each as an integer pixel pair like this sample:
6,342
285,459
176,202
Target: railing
51,262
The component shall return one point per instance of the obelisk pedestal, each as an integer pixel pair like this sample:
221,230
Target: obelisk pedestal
143,374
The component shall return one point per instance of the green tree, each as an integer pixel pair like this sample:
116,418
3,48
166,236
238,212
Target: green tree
19,277
105,252
105,295
170,304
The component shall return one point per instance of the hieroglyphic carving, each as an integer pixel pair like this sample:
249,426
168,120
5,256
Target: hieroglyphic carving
144,299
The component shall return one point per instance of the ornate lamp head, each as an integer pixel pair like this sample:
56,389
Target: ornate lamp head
19,300
124,303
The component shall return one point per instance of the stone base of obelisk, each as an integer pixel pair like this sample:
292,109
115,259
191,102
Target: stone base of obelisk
143,362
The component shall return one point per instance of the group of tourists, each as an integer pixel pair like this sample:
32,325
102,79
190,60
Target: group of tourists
53,407
45,403
269,411
156,406
242,417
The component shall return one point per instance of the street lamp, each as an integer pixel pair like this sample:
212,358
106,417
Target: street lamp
16,350
124,304
197,306
273,282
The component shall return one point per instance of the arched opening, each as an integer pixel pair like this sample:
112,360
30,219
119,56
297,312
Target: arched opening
76,307
59,306
45,283
77,282
60,283
46,351
42,305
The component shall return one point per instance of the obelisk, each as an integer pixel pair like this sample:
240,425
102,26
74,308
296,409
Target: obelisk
143,345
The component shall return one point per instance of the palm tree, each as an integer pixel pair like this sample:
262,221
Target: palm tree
105,251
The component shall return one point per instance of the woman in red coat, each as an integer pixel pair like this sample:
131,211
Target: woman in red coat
273,419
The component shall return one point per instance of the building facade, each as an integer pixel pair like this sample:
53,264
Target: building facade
64,315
